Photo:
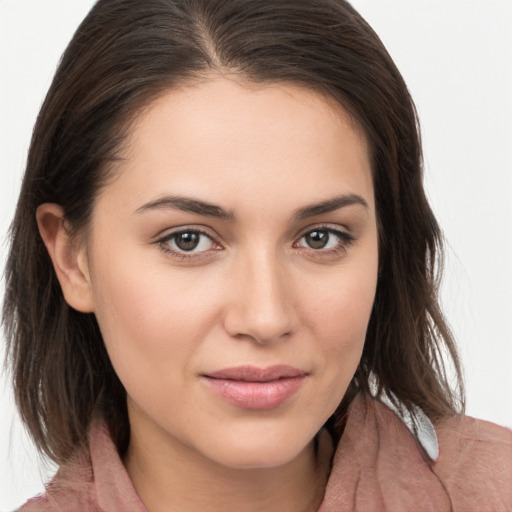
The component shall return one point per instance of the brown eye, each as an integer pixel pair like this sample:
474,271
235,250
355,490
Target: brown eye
325,239
187,241
190,241
317,239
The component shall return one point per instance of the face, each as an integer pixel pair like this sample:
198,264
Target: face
232,266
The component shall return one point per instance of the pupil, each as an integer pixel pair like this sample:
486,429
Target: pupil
317,239
187,241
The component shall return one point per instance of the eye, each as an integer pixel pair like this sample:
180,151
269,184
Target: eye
187,242
325,239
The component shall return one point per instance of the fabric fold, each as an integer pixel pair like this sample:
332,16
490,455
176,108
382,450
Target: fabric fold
378,466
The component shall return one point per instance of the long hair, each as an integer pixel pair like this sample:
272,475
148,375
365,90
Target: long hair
123,56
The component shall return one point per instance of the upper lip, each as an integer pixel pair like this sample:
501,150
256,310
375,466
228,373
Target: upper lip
255,374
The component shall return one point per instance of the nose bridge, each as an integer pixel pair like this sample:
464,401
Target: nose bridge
261,307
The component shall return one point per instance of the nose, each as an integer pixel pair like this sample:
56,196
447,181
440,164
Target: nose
261,305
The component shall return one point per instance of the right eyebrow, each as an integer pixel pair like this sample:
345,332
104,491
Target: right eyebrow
188,204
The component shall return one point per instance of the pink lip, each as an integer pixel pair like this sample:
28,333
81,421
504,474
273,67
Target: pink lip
250,387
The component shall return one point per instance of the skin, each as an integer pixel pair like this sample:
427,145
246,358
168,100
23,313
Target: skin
253,292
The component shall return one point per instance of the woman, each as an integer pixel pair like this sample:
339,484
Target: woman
223,264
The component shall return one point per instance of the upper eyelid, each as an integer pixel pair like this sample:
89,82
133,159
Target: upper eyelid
170,232
335,228
162,243
344,235
204,230
164,238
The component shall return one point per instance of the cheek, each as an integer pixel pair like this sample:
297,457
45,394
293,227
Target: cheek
341,307
337,317
151,332
146,314
338,314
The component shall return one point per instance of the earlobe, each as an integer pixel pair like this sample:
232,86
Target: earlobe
68,258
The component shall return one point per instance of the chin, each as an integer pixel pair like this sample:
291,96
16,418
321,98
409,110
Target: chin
256,459
258,452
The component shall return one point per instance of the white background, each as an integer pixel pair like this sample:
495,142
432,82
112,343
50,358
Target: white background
456,56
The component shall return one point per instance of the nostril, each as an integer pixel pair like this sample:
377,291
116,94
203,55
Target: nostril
258,307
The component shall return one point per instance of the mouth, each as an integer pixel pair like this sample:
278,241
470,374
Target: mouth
250,387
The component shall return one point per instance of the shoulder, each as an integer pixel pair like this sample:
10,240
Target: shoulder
475,463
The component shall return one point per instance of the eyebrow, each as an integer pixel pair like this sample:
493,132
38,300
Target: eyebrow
191,205
330,206
187,204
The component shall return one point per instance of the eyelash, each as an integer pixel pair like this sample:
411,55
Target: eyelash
345,241
163,243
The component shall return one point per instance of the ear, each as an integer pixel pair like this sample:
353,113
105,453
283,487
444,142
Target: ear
69,258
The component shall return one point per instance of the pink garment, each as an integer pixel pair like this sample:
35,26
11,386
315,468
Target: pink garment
378,466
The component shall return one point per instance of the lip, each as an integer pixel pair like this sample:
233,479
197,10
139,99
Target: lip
250,387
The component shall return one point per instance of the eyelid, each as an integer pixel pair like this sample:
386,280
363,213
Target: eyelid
333,228
168,232
347,238
164,236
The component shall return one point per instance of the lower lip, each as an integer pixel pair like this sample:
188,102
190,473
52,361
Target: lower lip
255,395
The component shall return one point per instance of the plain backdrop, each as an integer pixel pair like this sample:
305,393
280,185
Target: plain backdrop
456,56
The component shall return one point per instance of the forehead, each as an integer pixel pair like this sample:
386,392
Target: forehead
237,140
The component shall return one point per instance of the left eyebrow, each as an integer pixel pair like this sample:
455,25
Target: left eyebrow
330,205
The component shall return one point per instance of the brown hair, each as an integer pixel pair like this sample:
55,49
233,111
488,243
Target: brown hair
124,54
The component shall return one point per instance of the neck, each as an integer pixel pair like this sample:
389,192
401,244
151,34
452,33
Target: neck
177,478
